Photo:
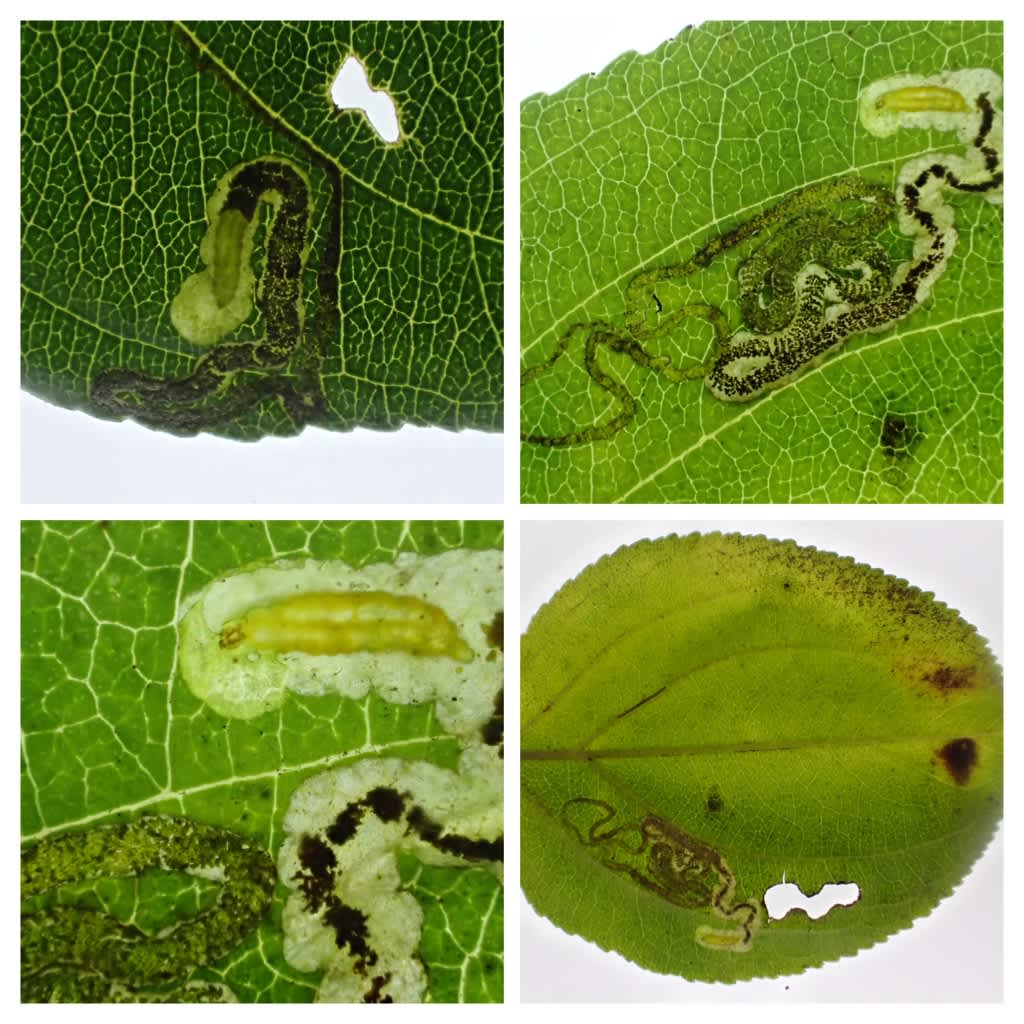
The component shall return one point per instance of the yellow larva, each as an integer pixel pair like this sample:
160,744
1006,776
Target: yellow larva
348,622
914,98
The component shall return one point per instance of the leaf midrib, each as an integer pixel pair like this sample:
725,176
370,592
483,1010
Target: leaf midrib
773,746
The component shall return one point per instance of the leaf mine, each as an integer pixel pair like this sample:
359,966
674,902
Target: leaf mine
414,631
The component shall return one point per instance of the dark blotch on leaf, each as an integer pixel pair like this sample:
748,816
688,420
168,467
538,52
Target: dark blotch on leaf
715,802
316,855
376,984
386,803
349,926
493,730
960,756
495,632
317,880
462,846
946,678
899,436
345,825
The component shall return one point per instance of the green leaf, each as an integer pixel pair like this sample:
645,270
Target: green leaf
377,268
116,731
638,168
705,717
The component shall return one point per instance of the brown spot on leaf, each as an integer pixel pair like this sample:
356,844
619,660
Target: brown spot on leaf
495,632
959,757
899,436
316,880
946,678
493,730
350,930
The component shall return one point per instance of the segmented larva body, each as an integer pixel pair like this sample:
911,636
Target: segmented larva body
348,622
918,98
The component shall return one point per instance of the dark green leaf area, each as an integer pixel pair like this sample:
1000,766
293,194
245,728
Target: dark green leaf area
706,716
379,304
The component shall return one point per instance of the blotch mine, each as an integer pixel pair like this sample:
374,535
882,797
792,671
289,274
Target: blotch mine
415,630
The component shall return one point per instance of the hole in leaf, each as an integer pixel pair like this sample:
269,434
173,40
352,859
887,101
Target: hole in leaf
351,91
780,899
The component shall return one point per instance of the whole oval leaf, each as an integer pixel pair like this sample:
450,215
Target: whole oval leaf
704,716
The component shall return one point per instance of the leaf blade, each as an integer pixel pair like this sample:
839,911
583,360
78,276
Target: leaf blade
110,731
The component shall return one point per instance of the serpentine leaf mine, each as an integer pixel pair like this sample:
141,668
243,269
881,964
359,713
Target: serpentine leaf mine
817,274
706,716
422,629
348,914
72,953
213,302
668,862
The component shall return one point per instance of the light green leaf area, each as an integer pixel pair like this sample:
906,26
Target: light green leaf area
706,717
111,733
365,289
642,165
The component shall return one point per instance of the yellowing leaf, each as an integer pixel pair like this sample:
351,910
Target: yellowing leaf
704,717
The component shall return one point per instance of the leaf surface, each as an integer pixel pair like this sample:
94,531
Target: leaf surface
640,166
127,129
110,732
706,716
